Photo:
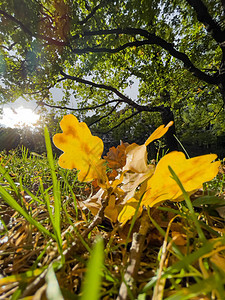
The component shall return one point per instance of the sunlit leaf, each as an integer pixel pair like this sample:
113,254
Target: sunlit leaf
128,210
81,149
158,133
115,198
192,173
53,290
110,211
136,159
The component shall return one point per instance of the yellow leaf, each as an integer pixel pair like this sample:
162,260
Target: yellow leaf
158,133
81,149
128,211
192,173
111,211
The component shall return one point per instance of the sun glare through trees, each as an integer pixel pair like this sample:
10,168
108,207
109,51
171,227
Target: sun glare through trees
19,117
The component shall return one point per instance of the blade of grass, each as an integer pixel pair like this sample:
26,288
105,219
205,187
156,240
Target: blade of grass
71,192
76,230
176,249
92,281
45,196
134,219
204,286
185,263
181,146
33,197
13,203
10,181
40,256
189,205
56,189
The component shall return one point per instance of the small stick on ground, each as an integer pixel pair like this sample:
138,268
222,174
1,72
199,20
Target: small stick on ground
135,258
74,248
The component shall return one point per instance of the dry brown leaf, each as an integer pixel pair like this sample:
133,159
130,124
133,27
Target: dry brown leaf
116,157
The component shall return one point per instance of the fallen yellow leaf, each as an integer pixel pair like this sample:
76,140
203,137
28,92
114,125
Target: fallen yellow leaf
158,133
192,173
81,149
128,211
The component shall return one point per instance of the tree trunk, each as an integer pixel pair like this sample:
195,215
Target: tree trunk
167,116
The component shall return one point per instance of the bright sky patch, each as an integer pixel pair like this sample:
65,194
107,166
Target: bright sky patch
18,117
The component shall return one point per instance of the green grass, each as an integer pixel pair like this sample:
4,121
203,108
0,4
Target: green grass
183,256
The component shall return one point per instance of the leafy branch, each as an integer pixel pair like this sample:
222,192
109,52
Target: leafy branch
151,39
204,17
27,31
92,13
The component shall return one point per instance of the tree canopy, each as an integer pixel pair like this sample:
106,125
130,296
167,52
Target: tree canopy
96,49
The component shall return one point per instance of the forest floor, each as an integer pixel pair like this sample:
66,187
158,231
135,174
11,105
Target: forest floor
163,255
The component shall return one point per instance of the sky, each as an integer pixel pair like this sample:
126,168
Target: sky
22,112
19,113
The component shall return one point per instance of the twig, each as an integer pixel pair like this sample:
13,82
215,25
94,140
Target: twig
135,258
159,287
76,247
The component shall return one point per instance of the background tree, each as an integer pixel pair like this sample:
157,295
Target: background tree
9,138
95,50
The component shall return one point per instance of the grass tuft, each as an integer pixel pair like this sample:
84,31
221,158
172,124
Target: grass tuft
43,240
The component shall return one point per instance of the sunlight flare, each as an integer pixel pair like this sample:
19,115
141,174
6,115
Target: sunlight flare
19,117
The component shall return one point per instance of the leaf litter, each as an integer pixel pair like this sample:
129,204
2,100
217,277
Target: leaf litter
144,255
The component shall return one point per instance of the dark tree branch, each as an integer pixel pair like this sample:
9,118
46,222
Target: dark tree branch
30,33
119,124
105,116
223,4
10,47
217,33
79,109
82,22
151,39
111,50
105,87
122,97
205,18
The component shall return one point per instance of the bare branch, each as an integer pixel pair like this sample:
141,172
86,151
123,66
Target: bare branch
119,124
122,97
136,250
111,50
10,47
92,12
